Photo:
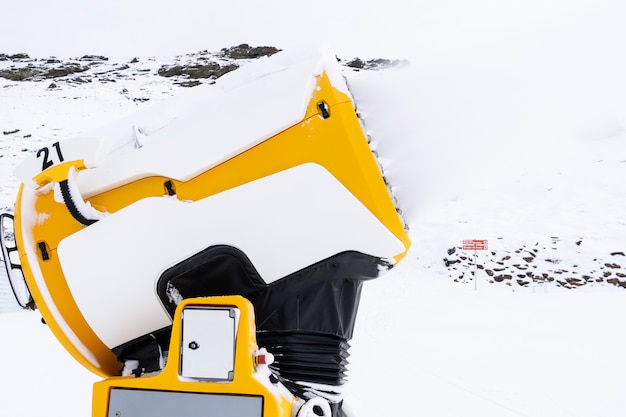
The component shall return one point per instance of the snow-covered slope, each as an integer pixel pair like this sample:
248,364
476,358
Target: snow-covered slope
509,124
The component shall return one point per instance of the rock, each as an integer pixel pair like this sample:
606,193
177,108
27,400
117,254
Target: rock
66,69
613,265
356,63
196,71
18,57
373,64
448,262
617,253
19,74
574,281
500,278
451,251
170,71
10,132
617,282
93,58
210,70
192,83
245,51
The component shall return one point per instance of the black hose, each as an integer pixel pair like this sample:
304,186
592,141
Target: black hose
71,205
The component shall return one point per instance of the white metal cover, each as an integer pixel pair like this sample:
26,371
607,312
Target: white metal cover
208,343
283,223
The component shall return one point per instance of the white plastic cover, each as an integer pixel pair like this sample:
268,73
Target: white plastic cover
283,223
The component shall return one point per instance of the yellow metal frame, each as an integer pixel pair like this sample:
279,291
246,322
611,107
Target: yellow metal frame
337,143
244,382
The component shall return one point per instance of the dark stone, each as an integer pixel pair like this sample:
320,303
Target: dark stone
210,70
196,71
19,74
93,58
374,64
451,251
245,51
448,262
10,132
65,70
192,83
500,278
20,56
170,71
617,282
617,253
356,63
613,265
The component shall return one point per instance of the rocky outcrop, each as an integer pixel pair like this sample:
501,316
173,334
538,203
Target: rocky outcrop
186,71
538,264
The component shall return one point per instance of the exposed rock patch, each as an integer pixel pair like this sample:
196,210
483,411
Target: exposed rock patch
245,51
536,265
183,70
374,64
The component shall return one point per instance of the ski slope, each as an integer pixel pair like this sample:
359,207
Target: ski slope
508,124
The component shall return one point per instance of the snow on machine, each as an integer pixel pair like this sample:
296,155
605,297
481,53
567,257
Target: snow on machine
208,253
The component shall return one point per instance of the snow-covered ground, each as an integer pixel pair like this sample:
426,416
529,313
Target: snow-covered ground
509,124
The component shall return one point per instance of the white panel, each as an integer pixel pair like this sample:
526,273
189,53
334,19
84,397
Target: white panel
208,343
283,223
217,122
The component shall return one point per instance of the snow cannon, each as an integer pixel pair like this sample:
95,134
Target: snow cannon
176,251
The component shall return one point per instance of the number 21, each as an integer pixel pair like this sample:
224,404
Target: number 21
45,153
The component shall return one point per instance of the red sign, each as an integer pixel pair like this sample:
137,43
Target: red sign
475,244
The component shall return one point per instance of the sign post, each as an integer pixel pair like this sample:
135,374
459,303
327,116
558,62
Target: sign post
475,245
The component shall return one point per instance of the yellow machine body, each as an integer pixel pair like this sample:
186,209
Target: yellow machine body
91,311
248,377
